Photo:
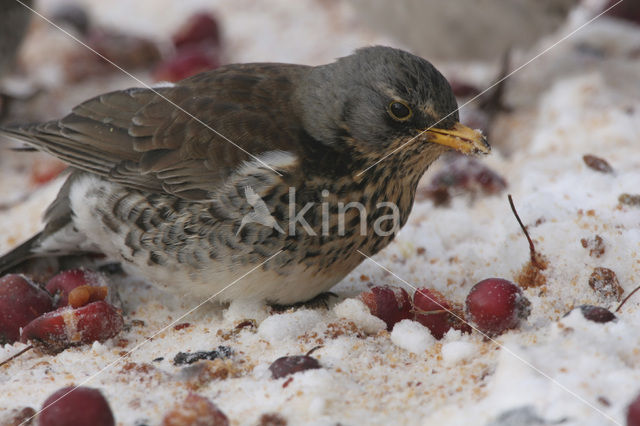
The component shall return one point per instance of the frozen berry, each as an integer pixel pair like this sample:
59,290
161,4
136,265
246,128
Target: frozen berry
272,419
20,302
55,331
186,63
463,89
46,169
287,365
605,282
18,417
633,412
435,312
495,305
76,407
200,28
596,163
64,282
597,313
390,304
195,410
463,175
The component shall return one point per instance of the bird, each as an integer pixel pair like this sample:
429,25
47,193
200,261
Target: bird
158,176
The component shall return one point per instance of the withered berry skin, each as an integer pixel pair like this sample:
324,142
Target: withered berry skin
195,410
80,407
495,305
282,367
20,302
463,175
598,164
55,331
64,282
390,304
426,304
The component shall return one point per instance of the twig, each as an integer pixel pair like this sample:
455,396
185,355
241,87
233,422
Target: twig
627,298
312,350
16,355
532,249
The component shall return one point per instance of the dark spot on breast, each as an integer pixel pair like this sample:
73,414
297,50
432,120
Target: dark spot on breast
155,258
109,222
141,221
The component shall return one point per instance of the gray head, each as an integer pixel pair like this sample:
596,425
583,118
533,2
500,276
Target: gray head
379,96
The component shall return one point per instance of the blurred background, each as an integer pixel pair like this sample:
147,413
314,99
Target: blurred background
64,51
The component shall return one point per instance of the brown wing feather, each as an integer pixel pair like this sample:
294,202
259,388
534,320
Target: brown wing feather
139,139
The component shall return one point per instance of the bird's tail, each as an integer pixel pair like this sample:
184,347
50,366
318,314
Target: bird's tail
19,254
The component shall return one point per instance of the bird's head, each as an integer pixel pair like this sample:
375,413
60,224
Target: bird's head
380,99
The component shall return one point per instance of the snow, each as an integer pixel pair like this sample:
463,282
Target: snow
457,351
357,312
288,326
412,336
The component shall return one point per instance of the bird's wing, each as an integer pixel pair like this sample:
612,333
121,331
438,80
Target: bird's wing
185,140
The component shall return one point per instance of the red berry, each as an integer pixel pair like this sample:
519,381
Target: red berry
633,412
45,170
200,28
463,175
463,89
76,407
195,410
435,312
390,304
496,305
287,365
186,63
55,331
64,282
20,302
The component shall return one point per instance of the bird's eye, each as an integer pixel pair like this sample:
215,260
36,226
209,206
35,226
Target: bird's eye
399,111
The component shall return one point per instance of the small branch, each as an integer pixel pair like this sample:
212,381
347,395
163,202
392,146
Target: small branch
532,249
627,298
14,356
312,350
434,312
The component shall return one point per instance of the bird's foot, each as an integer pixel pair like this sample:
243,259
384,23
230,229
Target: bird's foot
319,301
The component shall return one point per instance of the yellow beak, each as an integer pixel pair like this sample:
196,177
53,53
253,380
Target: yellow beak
461,138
